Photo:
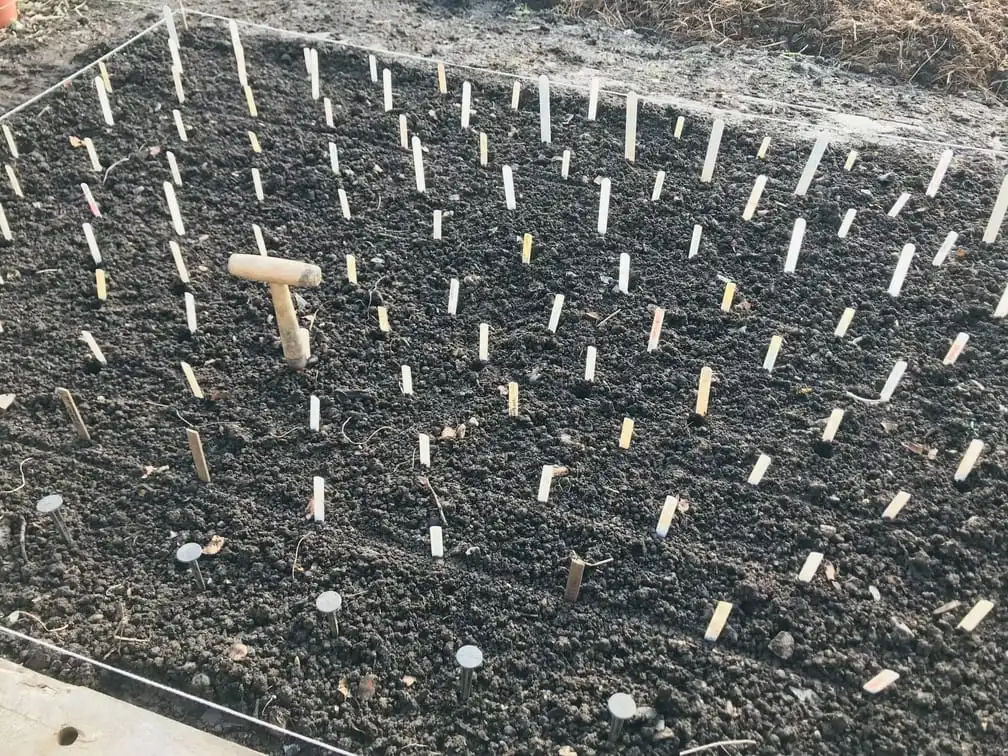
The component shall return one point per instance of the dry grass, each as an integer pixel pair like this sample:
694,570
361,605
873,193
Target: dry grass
951,44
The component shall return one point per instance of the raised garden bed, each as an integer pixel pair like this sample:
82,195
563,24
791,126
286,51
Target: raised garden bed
389,683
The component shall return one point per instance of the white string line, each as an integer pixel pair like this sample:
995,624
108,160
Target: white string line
176,692
562,83
74,75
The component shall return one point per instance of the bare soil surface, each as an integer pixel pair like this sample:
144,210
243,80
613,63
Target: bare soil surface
388,683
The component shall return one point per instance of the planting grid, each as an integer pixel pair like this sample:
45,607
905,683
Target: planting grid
389,680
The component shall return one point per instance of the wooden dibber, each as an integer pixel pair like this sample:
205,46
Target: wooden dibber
281,274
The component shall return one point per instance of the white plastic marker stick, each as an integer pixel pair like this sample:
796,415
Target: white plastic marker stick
630,138
603,206
5,229
624,273
190,377
939,173
976,446
466,103
545,481
307,60
881,681
425,450
387,88
407,380
421,182
565,164
896,505
844,323
591,354
483,149
997,214
314,412
180,126
180,266
239,52
626,433
694,247
980,610
902,266
679,123
515,95
383,321
656,325
92,243
659,182
316,90
89,198
797,236
956,349
453,295
821,142
527,249
898,205
190,312
257,184
845,225
173,208
946,247
718,620
319,498
260,240
176,56
754,197
88,339
771,353
810,567
512,399
437,541
103,100
15,185
11,144
668,511
764,146
327,107
96,165
484,342
344,203
852,157
829,432
895,375
545,129
509,192
250,102
1002,306
713,145
554,320
334,158
254,142
177,80
593,95
703,390
759,470
373,66
173,168
351,268
437,224
442,80
728,296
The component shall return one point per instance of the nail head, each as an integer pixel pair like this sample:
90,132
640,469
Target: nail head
188,553
469,657
622,706
328,602
50,503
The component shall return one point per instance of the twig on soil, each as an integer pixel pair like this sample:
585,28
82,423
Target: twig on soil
297,549
857,398
117,162
370,436
179,414
23,481
719,744
21,538
373,290
607,318
426,481
42,624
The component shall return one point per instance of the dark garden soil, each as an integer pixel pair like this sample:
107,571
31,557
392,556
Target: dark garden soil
389,684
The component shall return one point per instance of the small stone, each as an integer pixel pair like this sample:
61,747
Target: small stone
874,593
782,645
201,681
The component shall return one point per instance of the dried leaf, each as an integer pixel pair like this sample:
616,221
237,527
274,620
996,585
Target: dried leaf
238,651
559,471
76,141
460,431
803,390
366,687
922,449
830,571
154,151
448,433
149,470
408,680
566,751
6,400
214,546
344,688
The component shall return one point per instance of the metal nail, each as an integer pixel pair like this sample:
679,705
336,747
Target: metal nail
189,554
469,658
621,708
50,505
329,602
